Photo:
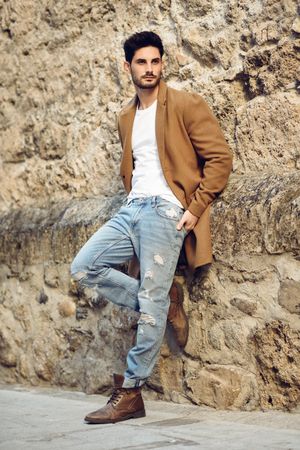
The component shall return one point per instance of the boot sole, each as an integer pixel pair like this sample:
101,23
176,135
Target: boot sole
134,415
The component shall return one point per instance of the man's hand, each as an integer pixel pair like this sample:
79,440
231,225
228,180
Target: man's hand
188,221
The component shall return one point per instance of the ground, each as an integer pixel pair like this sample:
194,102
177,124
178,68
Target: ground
40,418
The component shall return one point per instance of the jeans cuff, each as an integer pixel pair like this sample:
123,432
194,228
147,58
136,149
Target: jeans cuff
130,383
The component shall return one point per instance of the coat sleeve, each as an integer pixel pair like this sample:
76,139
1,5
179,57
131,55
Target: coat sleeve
209,143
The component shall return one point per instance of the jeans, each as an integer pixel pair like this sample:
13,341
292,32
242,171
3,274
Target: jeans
145,227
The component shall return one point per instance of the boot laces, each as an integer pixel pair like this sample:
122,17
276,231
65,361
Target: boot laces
115,397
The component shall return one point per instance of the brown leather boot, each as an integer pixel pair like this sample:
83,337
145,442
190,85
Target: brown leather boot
123,404
177,316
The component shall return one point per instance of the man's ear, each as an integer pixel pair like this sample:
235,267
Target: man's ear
126,66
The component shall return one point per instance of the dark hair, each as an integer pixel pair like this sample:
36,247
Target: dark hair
140,40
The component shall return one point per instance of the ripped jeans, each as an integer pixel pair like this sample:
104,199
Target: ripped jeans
146,227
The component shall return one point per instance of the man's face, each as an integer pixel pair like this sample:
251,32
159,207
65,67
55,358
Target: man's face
145,67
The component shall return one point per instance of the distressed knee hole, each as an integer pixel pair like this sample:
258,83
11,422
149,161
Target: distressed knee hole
84,291
146,319
149,275
76,280
78,276
158,259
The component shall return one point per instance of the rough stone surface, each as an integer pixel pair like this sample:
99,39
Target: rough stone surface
278,357
61,87
289,296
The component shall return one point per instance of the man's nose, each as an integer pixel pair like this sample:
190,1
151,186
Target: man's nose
149,68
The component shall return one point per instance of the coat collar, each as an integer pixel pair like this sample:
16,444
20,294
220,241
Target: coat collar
162,93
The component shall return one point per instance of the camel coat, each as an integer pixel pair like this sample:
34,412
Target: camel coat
195,159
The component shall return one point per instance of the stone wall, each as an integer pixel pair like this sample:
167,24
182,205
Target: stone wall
61,87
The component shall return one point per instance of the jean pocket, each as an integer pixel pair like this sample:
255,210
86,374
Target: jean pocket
185,232
169,210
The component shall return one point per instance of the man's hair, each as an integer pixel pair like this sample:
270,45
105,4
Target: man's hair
140,40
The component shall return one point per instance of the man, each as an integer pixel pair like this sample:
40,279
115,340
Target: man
175,162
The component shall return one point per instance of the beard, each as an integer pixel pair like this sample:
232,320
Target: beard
142,83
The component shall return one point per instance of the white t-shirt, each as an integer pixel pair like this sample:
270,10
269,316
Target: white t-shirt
147,176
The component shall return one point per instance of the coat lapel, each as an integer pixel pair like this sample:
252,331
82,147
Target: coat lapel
160,121
127,124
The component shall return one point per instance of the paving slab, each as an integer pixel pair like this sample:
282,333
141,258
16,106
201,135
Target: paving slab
46,418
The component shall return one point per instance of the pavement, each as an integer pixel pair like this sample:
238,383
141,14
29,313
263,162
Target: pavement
46,418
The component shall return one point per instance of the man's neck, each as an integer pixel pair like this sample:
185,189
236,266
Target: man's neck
146,97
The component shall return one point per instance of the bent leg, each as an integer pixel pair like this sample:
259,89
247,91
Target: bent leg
94,265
